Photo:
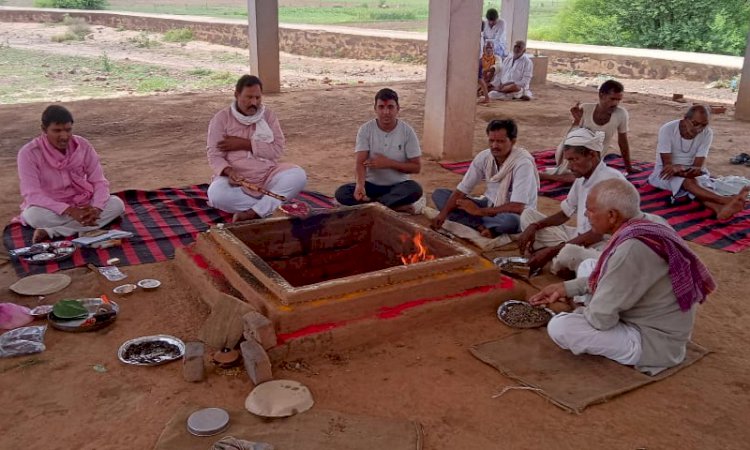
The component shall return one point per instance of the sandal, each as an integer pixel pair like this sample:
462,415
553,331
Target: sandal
742,158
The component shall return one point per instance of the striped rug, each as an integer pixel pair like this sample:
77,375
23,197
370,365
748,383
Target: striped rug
693,221
161,221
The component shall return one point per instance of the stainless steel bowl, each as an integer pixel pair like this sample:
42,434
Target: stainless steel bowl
153,358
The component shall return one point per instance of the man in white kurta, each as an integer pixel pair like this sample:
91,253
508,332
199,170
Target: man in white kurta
643,292
493,30
607,116
681,152
544,237
516,77
511,181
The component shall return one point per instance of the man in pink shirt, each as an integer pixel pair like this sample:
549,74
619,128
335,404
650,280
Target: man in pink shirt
244,146
62,182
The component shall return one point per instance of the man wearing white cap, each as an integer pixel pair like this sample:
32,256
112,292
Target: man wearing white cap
544,237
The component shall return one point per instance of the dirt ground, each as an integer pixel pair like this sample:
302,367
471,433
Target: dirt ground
56,400
424,374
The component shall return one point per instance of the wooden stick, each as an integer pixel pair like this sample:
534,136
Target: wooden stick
254,187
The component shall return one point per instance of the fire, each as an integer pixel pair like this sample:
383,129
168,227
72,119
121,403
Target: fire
422,253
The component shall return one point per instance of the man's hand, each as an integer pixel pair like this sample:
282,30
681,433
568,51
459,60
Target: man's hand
691,172
438,221
631,170
577,112
378,162
469,206
669,171
550,294
234,178
234,143
85,215
360,194
541,257
527,238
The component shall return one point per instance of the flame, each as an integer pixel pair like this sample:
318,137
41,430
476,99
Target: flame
422,253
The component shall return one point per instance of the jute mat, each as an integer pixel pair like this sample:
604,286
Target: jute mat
312,430
569,381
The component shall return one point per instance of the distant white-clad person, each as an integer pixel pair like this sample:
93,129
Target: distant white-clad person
516,76
681,151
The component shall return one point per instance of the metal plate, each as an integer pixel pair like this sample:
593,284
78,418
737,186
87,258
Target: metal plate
155,357
48,252
97,318
208,421
502,312
149,283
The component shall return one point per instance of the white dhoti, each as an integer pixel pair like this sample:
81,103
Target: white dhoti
674,184
571,255
496,95
62,225
571,331
232,199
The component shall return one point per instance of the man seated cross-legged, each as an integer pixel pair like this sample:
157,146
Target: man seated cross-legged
641,298
387,151
244,146
511,181
62,182
681,152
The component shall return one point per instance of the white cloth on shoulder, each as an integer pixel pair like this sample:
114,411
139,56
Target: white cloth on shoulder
504,175
263,132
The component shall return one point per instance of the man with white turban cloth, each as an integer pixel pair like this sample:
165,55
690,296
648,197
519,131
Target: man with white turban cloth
543,237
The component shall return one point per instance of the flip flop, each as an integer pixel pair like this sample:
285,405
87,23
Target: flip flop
742,158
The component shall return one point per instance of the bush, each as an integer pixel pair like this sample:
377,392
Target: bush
77,29
71,4
716,26
179,35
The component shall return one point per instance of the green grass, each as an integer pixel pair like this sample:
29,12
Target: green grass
181,35
30,75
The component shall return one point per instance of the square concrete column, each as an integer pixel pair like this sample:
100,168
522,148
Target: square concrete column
453,38
516,16
742,111
263,42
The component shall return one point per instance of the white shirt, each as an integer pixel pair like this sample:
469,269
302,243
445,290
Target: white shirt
523,186
575,202
496,35
618,123
684,151
518,71
400,144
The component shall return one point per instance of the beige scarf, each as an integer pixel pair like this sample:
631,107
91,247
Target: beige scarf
504,175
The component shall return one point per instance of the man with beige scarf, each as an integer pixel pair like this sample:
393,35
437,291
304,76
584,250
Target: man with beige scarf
512,184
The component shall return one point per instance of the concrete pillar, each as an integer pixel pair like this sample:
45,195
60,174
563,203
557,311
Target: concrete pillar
451,90
263,42
516,16
742,110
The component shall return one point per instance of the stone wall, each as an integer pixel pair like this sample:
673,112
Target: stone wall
371,44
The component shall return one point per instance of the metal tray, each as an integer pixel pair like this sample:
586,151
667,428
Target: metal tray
502,311
152,359
96,319
46,252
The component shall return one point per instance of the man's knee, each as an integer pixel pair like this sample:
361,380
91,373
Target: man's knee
345,195
297,177
115,206
218,192
38,217
411,190
529,216
557,331
440,197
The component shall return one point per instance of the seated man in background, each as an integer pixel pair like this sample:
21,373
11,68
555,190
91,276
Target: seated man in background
62,182
511,186
643,291
543,237
387,151
608,116
244,146
681,151
516,77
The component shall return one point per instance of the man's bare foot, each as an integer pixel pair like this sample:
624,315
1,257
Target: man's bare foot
486,232
39,236
735,205
243,216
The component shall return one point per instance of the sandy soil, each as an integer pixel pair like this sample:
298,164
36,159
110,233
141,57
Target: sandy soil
57,400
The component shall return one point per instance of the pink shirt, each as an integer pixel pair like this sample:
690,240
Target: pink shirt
255,166
55,181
